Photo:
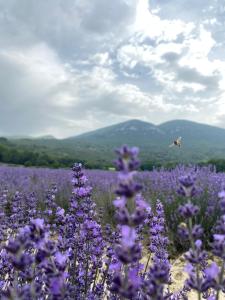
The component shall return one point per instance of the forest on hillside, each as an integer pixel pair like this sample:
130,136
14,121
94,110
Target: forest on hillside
13,154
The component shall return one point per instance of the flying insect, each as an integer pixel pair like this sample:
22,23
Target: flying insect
176,142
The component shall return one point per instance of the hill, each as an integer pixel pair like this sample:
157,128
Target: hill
200,142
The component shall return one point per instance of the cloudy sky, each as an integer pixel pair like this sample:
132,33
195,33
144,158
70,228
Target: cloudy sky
70,66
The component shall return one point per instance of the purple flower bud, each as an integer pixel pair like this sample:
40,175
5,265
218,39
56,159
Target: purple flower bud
13,246
197,231
122,216
218,245
120,202
198,244
61,259
128,236
38,223
187,187
60,212
212,271
188,210
82,192
183,232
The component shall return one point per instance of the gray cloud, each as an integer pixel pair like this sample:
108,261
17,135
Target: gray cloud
110,16
68,26
191,75
74,65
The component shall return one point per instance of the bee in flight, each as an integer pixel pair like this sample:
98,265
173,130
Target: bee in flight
176,142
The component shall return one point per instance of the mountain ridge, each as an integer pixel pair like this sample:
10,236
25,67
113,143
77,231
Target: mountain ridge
130,122
136,121
200,142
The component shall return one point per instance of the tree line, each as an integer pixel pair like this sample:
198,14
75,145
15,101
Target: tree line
18,155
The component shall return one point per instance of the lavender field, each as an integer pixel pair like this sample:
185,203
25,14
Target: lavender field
84,234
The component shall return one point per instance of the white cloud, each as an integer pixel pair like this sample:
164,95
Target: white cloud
149,24
199,48
39,63
102,59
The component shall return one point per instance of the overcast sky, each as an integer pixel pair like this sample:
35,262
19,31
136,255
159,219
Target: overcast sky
70,66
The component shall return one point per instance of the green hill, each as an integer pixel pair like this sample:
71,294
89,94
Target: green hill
200,142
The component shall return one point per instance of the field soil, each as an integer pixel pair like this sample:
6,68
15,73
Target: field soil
179,276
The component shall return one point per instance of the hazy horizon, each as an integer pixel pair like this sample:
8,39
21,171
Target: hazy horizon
69,67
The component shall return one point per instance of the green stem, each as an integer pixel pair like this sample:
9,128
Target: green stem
190,226
86,271
190,233
105,275
146,266
96,274
199,293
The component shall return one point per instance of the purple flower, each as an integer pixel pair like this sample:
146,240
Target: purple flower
131,211
38,223
82,192
56,284
221,194
218,246
212,271
187,187
188,210
60,212
128,236
120,202
61,259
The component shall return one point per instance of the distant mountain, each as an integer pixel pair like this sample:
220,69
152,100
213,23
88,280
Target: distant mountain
27,137
129,132
125,129
46,137
18,137
200,142
195,133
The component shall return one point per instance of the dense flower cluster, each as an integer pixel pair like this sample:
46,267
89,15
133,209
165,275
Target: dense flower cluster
55,246
206,279
131,212
158,276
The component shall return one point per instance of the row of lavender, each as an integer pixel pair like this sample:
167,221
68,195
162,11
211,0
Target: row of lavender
159,184
50,250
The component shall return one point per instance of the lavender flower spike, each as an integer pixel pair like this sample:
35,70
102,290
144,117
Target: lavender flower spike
131,211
